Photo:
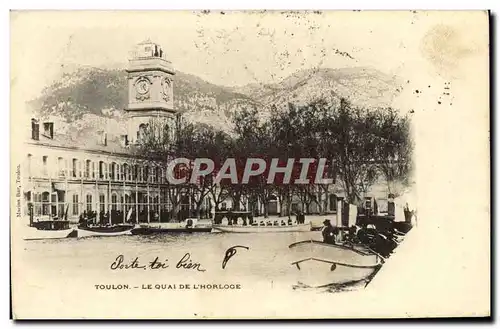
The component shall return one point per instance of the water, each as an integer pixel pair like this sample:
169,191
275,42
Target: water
55,278
266,263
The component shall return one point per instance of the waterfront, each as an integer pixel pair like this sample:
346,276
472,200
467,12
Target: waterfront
176,259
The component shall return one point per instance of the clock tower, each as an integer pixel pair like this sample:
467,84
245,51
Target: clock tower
150,91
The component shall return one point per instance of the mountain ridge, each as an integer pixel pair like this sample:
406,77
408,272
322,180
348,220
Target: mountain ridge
82,92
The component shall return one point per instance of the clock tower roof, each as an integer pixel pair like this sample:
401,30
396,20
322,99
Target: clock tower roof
149,55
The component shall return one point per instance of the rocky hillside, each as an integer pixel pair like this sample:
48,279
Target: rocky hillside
87,96
363,86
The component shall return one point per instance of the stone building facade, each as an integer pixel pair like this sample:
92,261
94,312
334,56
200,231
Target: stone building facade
63,177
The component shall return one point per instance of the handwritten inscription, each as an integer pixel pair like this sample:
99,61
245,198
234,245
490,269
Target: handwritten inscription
156,264
230,253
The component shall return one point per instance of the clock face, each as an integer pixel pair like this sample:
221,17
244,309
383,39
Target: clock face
142,87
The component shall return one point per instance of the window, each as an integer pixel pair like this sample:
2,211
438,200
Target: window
136,172
102,202
45,203
127,203
37,204
102,170
146,174
60,167
87,168
333,202
141,174
89,202
118,172
74,168
75,205
112,171
28,164
44,161
125,172
141,133
114,201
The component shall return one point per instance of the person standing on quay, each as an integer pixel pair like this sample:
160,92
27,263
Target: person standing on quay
328,232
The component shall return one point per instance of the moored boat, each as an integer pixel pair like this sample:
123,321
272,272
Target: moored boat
36,233
262,228
98,230
189,226
41,229
86,229
321,264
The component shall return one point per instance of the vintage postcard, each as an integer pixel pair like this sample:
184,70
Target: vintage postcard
250,164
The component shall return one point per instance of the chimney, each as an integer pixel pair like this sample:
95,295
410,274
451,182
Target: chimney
35,130
125,141
48,129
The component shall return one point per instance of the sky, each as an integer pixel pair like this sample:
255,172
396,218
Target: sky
226,48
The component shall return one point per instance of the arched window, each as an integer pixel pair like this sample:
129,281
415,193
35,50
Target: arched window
125,172
89,202
112,172
136,173
141,174
74,168
102,202
142,132
118,172
103,170
88,169
45,203
75,205
114,201
155,174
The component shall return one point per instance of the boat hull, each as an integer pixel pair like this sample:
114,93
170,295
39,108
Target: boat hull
167,230
319,264
34,234
104,231
262,229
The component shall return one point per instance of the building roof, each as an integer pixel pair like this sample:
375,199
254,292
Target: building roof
84,139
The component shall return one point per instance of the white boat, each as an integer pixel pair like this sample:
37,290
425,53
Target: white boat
262,228
85,230
46,229
113,230
321,264
32,233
